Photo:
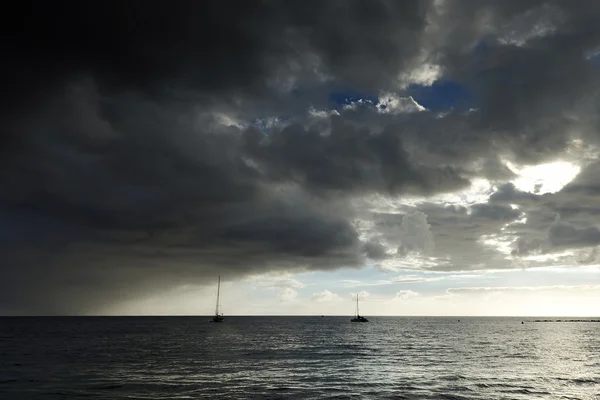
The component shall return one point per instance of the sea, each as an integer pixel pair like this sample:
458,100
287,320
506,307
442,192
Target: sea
298,358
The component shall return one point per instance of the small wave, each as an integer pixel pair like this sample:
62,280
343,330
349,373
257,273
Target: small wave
580,381
284,388
584,381
519,355
449,396
461,389
106,387
452,378
525,391
407,387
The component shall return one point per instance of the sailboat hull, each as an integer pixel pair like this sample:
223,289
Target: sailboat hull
217,319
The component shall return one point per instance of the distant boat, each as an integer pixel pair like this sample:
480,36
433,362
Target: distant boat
218,317
358,318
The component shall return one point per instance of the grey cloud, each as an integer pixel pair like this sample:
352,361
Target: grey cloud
509,194
458,233
576,204
563,234
452,235
494,212
405,233
525,246
590,257
375,250
347,160
578,201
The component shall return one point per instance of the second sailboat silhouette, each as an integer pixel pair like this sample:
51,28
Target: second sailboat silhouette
358,318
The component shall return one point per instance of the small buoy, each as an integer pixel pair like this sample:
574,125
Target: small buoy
521,322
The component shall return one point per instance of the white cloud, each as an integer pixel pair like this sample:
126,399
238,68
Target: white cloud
287,294
284,281
322,113
353,105
417,279
410,262
406,294
229,120
325,297
438,278
499,242
391,103
287,283
479,191
424,74
348,283
552,257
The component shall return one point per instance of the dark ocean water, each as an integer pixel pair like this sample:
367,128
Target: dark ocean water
297,357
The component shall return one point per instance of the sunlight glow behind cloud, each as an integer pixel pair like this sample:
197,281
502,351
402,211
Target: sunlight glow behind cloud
544,178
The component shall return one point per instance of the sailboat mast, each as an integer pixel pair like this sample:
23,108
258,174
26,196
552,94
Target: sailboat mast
357,314
218,292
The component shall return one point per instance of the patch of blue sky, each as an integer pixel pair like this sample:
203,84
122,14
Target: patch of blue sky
558,276
376,282
265,124
443,95
337,100
383,285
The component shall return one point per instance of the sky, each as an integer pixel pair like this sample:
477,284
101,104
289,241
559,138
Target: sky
436,157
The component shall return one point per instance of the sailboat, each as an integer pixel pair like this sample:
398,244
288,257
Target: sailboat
358,318
217,317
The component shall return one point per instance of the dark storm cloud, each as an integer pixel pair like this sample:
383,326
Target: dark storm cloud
563,234
225,47
348,160
119,176
112,194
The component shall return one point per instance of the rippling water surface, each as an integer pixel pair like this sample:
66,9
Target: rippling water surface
297,357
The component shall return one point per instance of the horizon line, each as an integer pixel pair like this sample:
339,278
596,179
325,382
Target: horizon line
293,315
